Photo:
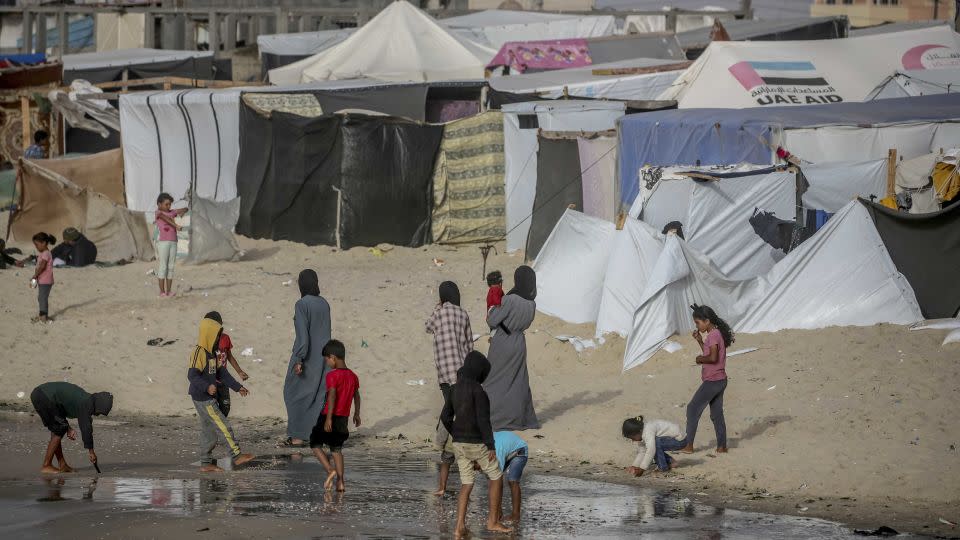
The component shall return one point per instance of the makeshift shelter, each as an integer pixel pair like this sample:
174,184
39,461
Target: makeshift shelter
895,27
920,82
695,40
51,202
521,56
520,124
925,182
824,133
756,74
636,79
210,233
278,50
402,43
106,66
468,196
347,180
102,173
495,27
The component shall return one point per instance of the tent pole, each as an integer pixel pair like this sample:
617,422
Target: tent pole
25,121
891,172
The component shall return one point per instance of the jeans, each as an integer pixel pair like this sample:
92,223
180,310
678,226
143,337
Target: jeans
514,464
709,393
664,445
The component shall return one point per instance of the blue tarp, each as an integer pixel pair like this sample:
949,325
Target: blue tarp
27,59
80,36
730,136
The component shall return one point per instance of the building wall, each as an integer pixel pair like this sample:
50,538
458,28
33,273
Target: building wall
866,13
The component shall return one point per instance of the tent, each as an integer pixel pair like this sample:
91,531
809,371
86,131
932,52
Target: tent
106,66
521,121
102,172
695,40
521,56
741,74
402,43
894,27
925,182
818,133
920,82
346,179
51,202
277,50
636,79
495,27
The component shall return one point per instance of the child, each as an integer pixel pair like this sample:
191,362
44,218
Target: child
224,355
203,374
343,385
495,292
713,374
44,273
166,242
512,454
656,438
57,401
466,416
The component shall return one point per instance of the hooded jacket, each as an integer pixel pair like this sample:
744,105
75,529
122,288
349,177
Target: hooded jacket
204,369
71,401
466,415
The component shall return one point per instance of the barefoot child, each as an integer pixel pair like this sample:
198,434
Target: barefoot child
57,401
466,416
166,242
512,455
713,374
655,438
343,386
203,374
43,275
225,355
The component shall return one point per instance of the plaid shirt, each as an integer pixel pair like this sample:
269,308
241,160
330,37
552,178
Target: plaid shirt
452,340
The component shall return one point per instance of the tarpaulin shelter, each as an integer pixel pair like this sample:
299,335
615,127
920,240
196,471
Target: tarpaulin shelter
635,79
521,122
521,56
106,66
468,185
559,186
347,179
402,43
921,82
51,202
210,233
818,133
894,27
102,172
740,74
277,50
495,27
926,182
695,40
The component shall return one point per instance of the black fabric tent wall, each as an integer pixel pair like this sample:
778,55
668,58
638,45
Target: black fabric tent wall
926,250
407,101
193,68
559,185
293,170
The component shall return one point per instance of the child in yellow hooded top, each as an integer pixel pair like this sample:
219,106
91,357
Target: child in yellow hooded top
204,373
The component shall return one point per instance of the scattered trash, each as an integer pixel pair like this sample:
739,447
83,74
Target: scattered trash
151,272
882,531
950,523
580,344
155,341
149,380
364,344
952,337
771,388
376,252
287,283
258,360
269,316
20,395
203,529
742,351
247,352
538,436
438,262
672,346
803,509
417,382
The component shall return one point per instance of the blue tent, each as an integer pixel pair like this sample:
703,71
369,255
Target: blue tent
729,136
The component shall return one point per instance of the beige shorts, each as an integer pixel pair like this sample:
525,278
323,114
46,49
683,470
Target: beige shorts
467,453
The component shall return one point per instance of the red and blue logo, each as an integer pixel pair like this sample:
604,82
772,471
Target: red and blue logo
754,74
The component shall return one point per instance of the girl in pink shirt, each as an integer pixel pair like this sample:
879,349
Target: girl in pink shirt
165,219
713,374
44,272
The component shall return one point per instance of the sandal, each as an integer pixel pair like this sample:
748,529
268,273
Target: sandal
288,443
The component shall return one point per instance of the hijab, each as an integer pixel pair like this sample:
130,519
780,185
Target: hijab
524,283
674,226
476,367
102,403
214,315
309,283
449,292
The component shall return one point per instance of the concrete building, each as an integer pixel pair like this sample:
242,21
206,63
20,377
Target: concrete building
872,12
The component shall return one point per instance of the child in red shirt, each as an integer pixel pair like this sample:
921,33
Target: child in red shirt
331,430
224,355
495,293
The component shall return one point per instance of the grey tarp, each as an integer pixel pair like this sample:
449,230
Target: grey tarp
926,250
559,185
211,230
305,394
508,384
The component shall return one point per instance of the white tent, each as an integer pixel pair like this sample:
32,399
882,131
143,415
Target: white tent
520,124
582,82
738,74
402,43
918,82
496,27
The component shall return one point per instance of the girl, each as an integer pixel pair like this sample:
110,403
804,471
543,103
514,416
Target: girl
166,242
713,374
44,272
655,438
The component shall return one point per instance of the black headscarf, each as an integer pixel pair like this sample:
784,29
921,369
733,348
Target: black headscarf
476,367
214,315
524,283
449,292
102,403
309,283
676,226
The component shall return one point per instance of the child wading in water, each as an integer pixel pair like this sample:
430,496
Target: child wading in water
166,242
655,438
343,386
713,373
466,415
43,276
57,401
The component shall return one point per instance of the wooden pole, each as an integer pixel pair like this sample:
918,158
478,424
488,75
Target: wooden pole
25,121
892,172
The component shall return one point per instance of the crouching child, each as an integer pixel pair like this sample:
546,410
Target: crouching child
655,438
57,401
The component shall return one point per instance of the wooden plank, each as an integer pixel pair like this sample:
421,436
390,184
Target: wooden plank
892,172
25,122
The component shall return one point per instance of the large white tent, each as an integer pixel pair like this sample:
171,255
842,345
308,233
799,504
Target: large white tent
495,27
738,74
918,82
402,43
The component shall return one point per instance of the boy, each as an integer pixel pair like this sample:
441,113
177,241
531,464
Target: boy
224,355
165,219
203,374
57,401
343,385
512,454
466,416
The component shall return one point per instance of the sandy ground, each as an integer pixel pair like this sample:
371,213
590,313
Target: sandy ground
844,423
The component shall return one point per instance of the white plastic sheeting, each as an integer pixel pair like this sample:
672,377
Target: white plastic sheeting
211,231
633,256
841,276
493,28
598,173
840,143
833,185
582,82
520,150
302,42
920,82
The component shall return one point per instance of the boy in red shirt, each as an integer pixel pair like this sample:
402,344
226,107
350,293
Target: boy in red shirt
224,355
495,293
331,429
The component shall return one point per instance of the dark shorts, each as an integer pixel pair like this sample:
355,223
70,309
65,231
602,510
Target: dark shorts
514,465
47,411
333,439
223,399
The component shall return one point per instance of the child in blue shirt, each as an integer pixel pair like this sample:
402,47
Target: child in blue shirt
512,454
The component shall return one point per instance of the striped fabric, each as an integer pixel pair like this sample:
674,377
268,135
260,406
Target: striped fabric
468,183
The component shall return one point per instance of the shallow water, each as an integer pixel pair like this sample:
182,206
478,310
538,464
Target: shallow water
391,498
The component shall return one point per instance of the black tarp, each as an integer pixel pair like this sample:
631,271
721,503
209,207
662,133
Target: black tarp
291,167
194,68
926,250
559,185
403,101
270,61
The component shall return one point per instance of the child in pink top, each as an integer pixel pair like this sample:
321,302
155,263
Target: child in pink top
166,242
713,374
43,276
